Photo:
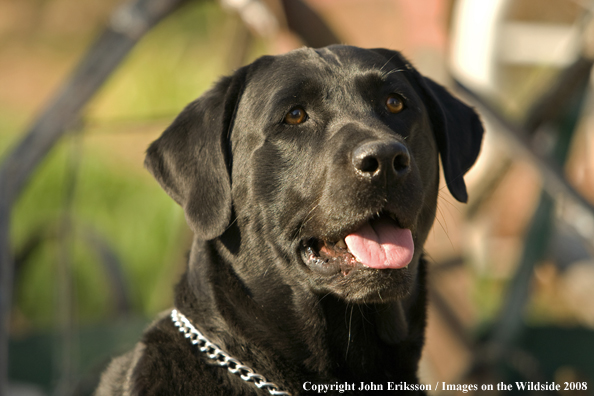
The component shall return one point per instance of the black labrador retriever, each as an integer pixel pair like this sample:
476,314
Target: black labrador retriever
310,181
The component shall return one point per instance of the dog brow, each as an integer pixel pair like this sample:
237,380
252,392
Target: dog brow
325,54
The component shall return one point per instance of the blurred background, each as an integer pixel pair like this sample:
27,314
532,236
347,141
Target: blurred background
90,246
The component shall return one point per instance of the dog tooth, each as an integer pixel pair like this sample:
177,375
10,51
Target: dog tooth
341,244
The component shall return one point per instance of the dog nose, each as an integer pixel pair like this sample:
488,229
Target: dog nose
375,158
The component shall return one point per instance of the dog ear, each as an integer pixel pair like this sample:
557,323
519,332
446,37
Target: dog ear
190,161
458,131
457,128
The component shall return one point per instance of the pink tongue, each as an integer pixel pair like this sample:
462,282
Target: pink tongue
381,244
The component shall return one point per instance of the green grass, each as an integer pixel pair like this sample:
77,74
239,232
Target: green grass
173,65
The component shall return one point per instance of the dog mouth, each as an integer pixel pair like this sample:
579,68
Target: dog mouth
379,243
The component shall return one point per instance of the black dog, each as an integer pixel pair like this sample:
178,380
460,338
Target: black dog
310,181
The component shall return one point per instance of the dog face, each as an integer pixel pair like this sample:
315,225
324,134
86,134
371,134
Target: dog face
321,166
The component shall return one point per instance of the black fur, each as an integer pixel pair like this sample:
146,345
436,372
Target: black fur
256,190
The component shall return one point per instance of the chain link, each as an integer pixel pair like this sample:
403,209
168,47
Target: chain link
221,357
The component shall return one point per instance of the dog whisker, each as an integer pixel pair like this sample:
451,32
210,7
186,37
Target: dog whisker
308,217
444,228
363,313
446,200
392,71
325,295
350,329
439,212
387,62
231,223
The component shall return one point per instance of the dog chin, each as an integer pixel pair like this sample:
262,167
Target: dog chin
352,281
368,262
368,285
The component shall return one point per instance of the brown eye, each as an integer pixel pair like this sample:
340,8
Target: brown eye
394,104
295,116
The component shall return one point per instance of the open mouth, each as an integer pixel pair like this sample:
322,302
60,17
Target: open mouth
380,243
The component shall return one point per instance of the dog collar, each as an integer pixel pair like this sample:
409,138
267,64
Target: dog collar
221,357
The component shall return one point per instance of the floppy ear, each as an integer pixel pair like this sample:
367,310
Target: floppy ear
190,161
457,128
458,131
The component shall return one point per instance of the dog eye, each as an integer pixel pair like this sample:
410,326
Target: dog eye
295,116
394,103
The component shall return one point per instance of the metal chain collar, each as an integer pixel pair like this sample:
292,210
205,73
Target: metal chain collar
221,357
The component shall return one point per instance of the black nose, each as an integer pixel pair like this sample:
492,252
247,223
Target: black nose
376,158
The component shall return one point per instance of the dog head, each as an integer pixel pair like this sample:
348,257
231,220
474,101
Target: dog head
321,163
